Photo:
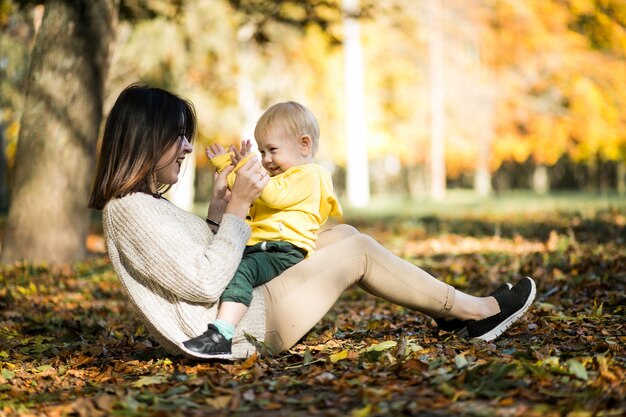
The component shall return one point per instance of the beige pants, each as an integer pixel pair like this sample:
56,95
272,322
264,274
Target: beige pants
296,300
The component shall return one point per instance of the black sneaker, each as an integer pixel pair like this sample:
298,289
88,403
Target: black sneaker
455,325
513,304
210,344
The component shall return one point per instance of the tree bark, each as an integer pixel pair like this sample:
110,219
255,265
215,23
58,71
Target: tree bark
4,187
48,218
621,178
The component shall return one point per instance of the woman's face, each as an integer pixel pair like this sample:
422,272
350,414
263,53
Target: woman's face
168,167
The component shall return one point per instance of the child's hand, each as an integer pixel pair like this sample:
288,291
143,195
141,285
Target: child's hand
239,154
214,150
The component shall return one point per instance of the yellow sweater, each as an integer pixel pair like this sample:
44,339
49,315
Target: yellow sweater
293,205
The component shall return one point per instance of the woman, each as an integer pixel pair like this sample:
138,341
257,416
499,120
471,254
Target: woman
174,266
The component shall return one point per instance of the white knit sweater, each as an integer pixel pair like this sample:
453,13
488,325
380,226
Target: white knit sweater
174,269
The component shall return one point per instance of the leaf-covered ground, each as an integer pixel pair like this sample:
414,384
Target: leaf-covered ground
70,344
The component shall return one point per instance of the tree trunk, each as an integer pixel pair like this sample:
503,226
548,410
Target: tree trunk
621,177
437,108
482,179
357,168
4,188
484,136
247,97
603,176
594,174
414,181
48,218
541,180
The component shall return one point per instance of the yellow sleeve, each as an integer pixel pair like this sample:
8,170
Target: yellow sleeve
221,161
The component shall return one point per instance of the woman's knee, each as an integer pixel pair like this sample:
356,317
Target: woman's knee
362,242
335,234
344,230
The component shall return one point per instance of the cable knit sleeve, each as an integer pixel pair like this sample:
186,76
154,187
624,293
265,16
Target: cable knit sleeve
158,244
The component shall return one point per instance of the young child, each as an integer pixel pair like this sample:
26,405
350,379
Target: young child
284,220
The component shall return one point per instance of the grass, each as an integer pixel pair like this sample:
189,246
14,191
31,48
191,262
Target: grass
466,203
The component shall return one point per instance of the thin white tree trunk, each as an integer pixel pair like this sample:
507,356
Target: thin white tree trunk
437,108
357,181
247,97
482,179
541,180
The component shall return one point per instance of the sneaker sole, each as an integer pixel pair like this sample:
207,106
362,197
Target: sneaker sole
498,330
227,356
198,355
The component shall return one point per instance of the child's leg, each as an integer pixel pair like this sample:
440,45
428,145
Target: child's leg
256,268
260,264
229,312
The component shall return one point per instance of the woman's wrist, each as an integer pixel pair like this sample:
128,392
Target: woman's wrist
238,207
213,225
216,210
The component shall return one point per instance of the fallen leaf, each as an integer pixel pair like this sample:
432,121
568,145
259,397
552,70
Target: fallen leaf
577,369
336,357
149,380
220,402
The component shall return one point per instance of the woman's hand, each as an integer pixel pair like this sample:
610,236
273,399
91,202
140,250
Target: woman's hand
220,184
220,196
250,181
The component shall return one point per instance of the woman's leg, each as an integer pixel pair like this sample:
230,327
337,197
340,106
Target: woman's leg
465,306
298,298
334,234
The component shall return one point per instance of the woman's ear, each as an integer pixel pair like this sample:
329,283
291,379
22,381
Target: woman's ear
306,145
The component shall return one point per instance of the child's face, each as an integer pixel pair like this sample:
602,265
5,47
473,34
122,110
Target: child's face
281,151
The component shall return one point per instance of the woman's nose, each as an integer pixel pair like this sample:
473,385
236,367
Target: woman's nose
187,148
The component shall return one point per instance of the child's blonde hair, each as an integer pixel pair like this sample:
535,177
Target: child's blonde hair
296,119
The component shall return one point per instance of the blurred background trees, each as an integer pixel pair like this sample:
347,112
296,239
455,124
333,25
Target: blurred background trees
492,94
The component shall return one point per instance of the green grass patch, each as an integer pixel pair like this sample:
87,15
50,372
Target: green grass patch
462,203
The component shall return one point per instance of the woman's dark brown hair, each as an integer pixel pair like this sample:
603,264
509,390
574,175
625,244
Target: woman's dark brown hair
142,125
